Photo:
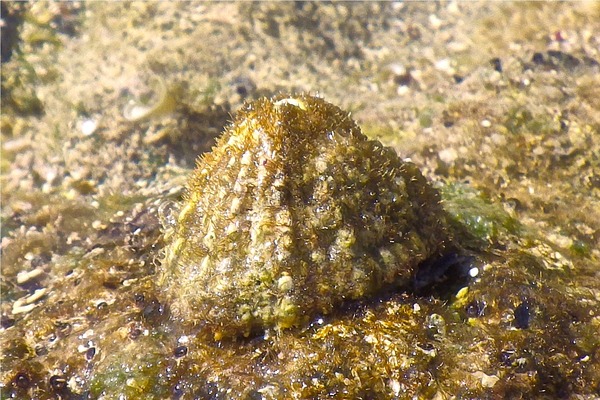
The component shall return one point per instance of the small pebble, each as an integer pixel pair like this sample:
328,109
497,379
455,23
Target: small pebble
434,21
448,155
444,65
498,139
25,276
97,224
402,90
88,127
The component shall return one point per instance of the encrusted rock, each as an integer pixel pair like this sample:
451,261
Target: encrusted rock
293,212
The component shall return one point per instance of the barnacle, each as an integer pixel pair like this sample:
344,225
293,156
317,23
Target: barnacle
293,212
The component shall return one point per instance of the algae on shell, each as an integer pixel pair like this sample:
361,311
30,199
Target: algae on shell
293,212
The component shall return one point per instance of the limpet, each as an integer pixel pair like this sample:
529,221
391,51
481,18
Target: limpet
293,212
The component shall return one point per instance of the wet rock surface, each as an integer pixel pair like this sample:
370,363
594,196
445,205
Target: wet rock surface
496,103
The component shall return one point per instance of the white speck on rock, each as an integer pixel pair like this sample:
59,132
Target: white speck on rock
88,127
444,65
434,21
448,155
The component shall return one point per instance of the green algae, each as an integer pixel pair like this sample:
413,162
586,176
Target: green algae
37,32
580,248
425,118
470,212
521,120
18,90
138,375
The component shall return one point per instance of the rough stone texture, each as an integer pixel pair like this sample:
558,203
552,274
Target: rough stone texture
293,212
495,102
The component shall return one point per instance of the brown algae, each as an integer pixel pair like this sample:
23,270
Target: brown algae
293,212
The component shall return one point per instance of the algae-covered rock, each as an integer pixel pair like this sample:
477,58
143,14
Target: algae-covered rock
293,212
511,143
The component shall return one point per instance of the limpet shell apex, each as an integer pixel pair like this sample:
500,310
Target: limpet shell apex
293,212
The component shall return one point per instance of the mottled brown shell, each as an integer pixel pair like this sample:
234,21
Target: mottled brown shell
293,212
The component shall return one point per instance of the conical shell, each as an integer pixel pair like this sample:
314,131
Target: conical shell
293,212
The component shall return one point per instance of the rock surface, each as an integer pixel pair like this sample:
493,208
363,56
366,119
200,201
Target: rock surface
496,103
